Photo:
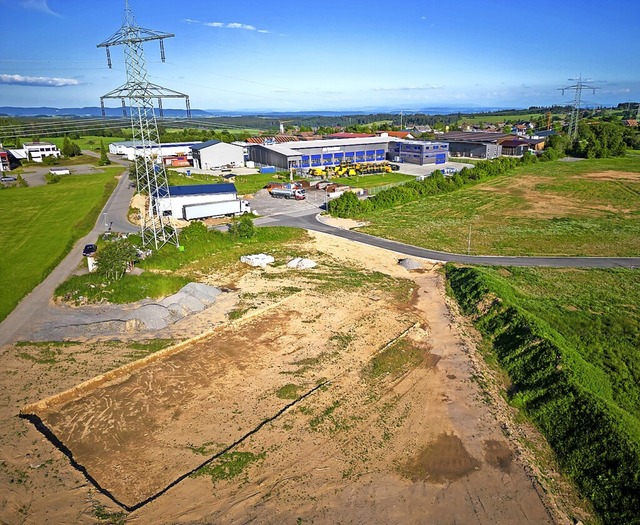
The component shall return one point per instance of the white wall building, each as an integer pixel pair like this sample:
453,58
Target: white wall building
36,151
131,150
214,153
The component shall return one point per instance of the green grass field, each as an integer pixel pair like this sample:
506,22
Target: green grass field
589,208
41,224
89,142
568,340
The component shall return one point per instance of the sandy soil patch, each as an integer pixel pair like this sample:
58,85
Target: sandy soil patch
613,175
416,443
544,204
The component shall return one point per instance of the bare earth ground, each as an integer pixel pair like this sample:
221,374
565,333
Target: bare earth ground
418,444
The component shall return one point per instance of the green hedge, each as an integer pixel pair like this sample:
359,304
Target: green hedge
596,442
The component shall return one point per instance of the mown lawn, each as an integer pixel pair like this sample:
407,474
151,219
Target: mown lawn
40,225
588,208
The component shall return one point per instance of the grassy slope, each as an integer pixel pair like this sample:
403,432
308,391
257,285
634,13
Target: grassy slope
551,208
568,340
39,226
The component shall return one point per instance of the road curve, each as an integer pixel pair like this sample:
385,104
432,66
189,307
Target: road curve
312,222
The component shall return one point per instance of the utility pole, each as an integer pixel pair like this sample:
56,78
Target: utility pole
151,177
577,99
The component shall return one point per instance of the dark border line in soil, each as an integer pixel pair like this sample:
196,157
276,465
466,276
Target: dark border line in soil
48,433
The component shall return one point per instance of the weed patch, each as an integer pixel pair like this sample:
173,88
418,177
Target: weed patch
229,465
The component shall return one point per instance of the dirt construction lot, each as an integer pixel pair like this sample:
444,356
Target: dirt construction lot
332,395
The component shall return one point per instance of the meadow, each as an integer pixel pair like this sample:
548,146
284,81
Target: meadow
568,340
89,142
41,224
587,208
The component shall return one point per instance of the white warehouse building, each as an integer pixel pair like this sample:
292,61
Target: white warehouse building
131,150
215,153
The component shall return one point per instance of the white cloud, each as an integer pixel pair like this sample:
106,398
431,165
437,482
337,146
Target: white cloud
20,80
37,5
408,88
229,25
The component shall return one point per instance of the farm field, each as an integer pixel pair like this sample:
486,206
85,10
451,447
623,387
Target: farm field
39,226
277,412
569,340
588,208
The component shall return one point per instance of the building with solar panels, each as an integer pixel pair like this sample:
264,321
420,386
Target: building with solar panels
304,155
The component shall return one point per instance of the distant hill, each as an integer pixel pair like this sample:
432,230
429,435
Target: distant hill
91,111
95,111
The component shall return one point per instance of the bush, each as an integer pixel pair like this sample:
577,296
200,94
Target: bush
115,258
243,227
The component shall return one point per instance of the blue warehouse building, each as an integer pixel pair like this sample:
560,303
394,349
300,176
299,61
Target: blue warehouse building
304,155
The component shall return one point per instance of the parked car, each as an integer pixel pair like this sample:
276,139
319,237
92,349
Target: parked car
89,250
8,179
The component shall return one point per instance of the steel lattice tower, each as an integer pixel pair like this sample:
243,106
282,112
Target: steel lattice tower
151,176
577,100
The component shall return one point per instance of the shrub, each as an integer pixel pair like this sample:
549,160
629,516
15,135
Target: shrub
243,227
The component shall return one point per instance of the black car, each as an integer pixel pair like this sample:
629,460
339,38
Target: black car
89,250
8,179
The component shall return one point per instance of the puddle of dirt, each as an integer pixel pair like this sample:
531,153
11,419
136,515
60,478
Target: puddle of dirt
431,360
445,459
497,454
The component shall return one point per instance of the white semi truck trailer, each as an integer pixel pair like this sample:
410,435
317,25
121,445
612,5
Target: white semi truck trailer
215,209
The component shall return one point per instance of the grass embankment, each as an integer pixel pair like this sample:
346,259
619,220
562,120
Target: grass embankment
568,340
588,208
41,224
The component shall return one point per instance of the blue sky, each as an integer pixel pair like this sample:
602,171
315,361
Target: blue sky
327,54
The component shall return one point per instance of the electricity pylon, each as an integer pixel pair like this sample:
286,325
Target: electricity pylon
577,98
151,176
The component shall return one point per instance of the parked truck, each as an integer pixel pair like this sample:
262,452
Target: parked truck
288,193
215,209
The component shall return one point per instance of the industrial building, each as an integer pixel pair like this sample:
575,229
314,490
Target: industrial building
302,155
4,161
418,152
489,145
215,153
131,150
181,196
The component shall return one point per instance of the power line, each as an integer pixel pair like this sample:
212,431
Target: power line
156,227
577,99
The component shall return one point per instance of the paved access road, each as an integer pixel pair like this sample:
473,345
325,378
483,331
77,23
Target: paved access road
304,216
